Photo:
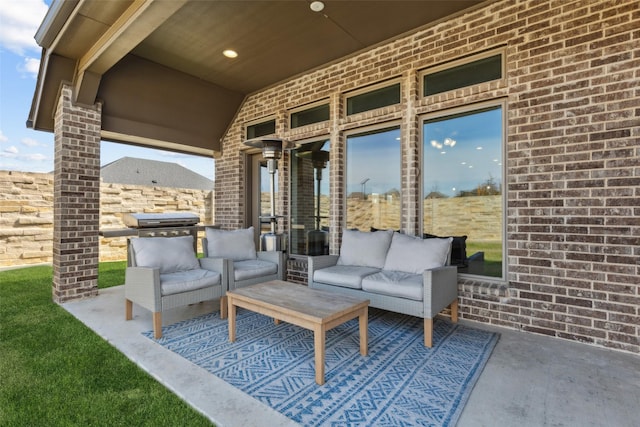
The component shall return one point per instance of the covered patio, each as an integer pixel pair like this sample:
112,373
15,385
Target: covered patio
552,223
530,380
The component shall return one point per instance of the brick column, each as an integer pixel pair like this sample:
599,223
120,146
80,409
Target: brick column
410,220
76,199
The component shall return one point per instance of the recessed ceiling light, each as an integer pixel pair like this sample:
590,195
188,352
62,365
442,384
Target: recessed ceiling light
229,53
317,6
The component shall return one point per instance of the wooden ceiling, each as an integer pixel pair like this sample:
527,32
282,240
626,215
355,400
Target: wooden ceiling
279,39
90,42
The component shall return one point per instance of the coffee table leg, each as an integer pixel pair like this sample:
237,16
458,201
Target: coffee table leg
318,343
232,319
364,331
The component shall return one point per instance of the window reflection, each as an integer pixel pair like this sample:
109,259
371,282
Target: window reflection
373,180
310,180
462,173
265,196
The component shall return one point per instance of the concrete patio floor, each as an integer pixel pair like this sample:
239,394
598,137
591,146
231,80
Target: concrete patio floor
530,380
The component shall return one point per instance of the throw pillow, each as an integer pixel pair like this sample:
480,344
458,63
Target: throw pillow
364,249
414,255
169,254
458,249
236,245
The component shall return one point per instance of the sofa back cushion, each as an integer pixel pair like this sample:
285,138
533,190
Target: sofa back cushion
458,249
169,254
414,255
236,245
364,249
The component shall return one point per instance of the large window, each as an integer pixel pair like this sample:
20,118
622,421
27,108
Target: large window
373,180
462,185
310,199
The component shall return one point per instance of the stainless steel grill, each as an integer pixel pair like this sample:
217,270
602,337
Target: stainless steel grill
156,220
169,224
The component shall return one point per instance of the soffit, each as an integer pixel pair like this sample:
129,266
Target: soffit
276,40
279,39
90,20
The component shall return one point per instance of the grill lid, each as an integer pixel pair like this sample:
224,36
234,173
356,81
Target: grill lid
154,220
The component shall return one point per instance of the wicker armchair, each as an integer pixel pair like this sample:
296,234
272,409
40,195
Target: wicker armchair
245,265
164,273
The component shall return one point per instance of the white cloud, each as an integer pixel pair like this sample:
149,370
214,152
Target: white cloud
30,66
20,21
10,152
30,142
170,154
35,157
3,137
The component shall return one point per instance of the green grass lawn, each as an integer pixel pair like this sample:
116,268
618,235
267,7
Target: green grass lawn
54,371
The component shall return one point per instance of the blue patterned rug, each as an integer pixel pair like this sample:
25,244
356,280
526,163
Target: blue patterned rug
400,382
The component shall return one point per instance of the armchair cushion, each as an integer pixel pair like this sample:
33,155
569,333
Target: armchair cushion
184,281
249,269
168,254
236,245
414,255
364,249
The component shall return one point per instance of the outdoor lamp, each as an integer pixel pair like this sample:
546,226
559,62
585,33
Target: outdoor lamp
271,151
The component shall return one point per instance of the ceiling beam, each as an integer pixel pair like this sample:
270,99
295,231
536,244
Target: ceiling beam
132,27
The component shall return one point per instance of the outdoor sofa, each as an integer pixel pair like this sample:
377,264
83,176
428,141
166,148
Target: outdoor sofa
396,272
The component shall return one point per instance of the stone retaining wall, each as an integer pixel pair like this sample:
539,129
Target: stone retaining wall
26,214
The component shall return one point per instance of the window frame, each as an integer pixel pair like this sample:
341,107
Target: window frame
374,128
450,112
371,88
310,106
464,61
260,121
298,144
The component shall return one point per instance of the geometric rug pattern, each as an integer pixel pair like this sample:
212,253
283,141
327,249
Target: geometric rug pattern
399,383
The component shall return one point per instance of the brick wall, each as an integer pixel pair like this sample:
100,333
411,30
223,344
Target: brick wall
573,170
26,214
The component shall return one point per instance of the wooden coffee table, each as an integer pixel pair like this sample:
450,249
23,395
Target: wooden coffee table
308,308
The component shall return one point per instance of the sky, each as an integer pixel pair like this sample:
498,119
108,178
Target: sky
462,152
26,150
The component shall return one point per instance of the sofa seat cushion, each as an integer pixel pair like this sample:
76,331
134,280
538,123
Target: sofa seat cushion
251,268
394,283
347,276
190,280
